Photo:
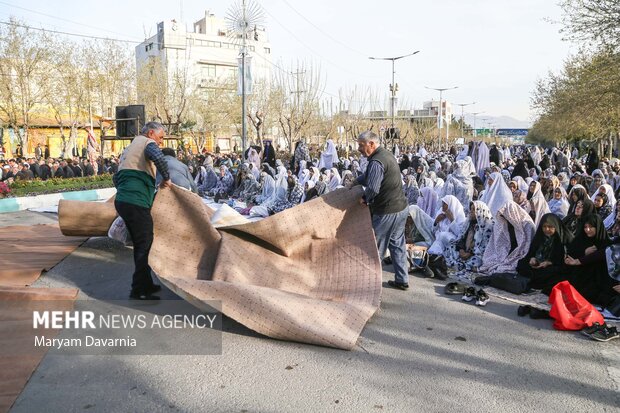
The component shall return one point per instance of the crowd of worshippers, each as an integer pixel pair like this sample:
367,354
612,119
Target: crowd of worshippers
548,215
27,169
545,214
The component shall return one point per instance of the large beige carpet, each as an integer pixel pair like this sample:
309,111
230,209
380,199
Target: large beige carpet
310,274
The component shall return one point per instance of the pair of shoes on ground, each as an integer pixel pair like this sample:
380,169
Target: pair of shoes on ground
535,313
399,286
454,288
481,297
146,295
601,332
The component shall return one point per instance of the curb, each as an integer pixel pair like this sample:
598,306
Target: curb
39,201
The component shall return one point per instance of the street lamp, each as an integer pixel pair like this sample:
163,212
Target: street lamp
476,114
393,86
440,111
462,105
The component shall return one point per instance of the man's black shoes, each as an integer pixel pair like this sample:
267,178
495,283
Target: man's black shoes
399,286
143,296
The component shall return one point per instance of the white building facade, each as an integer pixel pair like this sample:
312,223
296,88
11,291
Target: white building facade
207,52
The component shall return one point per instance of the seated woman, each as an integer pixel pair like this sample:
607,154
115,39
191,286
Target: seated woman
412,192
577,193
612,222
573,222
310,192
586,267
250,188
545,257
465,251
428,201
537,203
438,232
512,234
519,190
225,184
293,196
497,193
559,205
601,205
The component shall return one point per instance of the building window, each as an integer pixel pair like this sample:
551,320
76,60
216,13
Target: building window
267,50
148,47
208,71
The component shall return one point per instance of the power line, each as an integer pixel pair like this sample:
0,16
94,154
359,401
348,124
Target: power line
57,18
322,31
24,26
314,51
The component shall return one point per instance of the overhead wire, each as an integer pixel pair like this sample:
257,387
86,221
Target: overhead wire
58,18
322,31
317,54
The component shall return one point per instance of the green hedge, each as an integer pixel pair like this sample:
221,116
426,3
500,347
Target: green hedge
56,185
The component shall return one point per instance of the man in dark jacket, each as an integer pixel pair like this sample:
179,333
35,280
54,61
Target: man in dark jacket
388,205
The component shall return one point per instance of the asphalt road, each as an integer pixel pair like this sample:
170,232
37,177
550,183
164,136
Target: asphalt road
422,352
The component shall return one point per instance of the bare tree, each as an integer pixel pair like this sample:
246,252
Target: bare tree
24,73
297,100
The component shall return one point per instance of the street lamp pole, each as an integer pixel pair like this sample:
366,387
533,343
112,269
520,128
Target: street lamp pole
462,105
475,114
393,86
440,110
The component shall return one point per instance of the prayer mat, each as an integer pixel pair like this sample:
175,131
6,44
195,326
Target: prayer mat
16,334
27,250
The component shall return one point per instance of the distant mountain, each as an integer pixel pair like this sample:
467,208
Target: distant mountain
500,122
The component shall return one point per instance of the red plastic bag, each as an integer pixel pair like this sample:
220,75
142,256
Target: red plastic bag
570,310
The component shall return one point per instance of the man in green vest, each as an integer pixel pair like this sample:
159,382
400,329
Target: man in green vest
388,205
135,191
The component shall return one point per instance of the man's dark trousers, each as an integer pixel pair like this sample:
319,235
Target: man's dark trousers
140,225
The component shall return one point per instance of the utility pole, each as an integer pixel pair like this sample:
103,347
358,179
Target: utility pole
440,111
475,114
296,92
393,86
462,105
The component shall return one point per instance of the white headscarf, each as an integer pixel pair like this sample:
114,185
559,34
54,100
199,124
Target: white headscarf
611,197
428,201
482,160
455,207
311,185
497,257
315,174
497,194
335,179
329,156
463,154
538,204
304,176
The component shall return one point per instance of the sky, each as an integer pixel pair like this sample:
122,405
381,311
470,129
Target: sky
493,50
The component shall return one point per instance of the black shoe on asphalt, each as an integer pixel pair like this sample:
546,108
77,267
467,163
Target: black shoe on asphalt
399,286
482,298
605,333
387,260
134,295
524,310
427,272
470,294
537,314
155,288
589,330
